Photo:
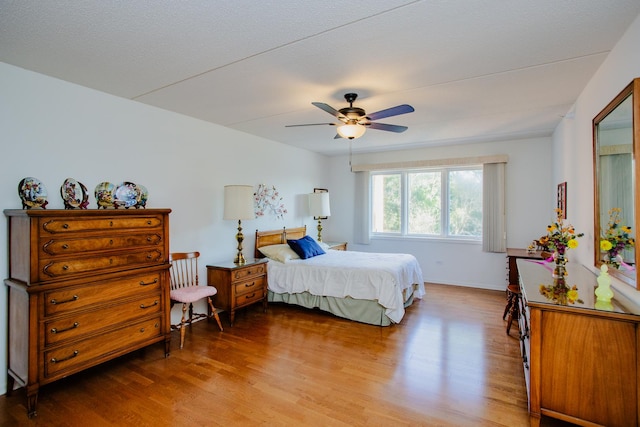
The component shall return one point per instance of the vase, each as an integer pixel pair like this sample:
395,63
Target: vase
559,269
603,291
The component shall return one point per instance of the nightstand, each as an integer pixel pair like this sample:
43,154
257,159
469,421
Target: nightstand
238,285
337,246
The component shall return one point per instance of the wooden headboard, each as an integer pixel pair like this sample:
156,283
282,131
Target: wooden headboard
277,237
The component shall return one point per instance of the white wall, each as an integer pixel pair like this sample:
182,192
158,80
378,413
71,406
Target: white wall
573,143
53,130
530,204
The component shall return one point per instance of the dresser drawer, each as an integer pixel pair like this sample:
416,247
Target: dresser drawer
75,356
63,245
254,270
72,225
249,286
85,296
68,267
87,322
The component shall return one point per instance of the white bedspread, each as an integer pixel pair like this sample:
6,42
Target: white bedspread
359,275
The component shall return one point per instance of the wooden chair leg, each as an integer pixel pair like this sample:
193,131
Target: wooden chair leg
214,312
507,308
182,325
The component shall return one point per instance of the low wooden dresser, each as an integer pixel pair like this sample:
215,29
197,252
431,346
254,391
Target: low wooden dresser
239,285
581,359
337,246
85,286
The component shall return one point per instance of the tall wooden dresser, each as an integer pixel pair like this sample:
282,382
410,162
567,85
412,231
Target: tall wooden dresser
581,360
85,286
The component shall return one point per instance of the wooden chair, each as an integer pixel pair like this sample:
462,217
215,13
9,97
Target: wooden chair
185,289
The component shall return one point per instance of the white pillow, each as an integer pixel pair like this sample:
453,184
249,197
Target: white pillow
282,253
323,245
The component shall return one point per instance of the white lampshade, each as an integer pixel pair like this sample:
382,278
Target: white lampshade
238,202
351,131
319,204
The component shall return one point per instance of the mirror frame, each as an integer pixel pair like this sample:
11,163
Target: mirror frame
632,89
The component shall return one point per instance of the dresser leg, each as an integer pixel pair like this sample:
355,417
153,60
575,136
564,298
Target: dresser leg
232,316
534,421
32,403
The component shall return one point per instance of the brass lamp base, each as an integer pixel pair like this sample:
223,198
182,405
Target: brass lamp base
239,259
319,230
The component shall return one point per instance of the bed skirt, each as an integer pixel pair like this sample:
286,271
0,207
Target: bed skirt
365,311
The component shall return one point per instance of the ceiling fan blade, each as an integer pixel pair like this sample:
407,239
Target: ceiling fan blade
329,109
311,124
337,136
393,111
384,126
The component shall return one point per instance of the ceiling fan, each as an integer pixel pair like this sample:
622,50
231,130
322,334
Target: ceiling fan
354,121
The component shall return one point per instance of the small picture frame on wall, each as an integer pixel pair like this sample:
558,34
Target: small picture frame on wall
562,198
320,190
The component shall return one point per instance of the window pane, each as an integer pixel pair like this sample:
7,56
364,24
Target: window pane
465,203
386,203
424,203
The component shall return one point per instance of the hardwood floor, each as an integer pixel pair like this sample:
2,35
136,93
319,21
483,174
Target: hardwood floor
448,363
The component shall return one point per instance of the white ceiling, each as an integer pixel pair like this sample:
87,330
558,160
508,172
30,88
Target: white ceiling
474,71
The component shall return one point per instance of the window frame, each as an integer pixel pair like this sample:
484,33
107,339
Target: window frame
404,205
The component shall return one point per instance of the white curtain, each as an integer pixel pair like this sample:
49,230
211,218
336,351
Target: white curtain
494,235
361,217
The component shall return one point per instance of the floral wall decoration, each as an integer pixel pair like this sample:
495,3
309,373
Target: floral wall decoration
268,201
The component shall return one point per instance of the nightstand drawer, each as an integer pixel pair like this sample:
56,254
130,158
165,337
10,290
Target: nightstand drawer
257,284
249,271
249,298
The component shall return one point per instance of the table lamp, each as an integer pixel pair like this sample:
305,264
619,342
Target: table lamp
320,209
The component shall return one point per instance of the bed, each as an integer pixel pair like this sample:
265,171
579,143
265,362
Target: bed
366,287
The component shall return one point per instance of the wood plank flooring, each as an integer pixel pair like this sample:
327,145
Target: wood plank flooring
448,363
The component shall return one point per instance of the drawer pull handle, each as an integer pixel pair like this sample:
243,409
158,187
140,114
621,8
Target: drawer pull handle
149,256
54,360
73,298
65,267
57,331
65,246
65,226
142,283
111,242
141,330
247,285
148,239
110,223
250,296
149,222
149,306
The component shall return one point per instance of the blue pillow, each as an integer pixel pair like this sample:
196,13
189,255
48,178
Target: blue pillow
306,247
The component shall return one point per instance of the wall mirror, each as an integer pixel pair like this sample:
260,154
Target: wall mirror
616,136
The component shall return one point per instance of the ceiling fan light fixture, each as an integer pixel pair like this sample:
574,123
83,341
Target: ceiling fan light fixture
351,131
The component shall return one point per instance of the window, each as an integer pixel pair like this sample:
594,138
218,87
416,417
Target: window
444,202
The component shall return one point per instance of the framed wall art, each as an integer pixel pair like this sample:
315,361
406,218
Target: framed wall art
562,198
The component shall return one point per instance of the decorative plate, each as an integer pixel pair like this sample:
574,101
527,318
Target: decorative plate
125,195
104,195
32,193
142,196
74,194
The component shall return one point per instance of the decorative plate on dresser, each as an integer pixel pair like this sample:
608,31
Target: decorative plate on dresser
32,193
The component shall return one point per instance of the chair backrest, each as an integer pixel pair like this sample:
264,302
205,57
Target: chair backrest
184,269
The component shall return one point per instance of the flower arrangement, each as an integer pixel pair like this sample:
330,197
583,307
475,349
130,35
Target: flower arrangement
268,200
560,237
616,238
